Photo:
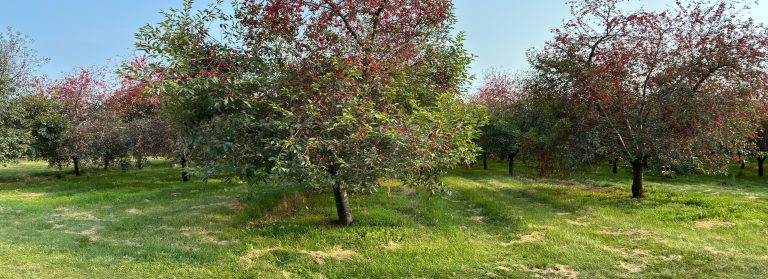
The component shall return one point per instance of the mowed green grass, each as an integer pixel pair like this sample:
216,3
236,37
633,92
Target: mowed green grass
140,224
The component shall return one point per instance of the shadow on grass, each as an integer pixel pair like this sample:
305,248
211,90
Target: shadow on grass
557,197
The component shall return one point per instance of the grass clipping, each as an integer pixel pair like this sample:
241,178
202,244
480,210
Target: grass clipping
320,257
536,236
338,253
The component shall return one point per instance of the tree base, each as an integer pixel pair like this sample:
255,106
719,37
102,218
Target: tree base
342,206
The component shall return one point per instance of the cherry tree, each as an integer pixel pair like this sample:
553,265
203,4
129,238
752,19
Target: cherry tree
17,63
108,137
761,154
194,75
503,97
761,139
663,85
338,93
78,94
374,89
141,112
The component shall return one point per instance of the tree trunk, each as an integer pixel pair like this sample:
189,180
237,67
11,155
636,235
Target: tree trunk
106,163
342,200
637,179
760,169
485,160
742,161
76,161
185,168
511,159
139,160
615,163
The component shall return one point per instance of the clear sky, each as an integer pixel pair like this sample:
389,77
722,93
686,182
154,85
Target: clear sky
82,33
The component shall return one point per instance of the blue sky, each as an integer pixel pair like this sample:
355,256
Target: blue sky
82,33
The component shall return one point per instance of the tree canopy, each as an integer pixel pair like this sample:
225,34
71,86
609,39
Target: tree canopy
341,93
17,65
645,77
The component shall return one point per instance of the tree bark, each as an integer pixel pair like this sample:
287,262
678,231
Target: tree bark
139,160
615,163
76,161
511,160
760,169
742,161
342,200
106,163
485,160
185,168
637,179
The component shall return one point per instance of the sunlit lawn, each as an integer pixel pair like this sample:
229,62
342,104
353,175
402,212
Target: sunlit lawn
140,224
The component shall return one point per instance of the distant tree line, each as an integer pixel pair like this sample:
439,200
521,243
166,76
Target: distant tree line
680,90
88,117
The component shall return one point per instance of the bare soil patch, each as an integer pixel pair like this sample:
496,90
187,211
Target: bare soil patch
634,268
710,224
541,227
636,234
217,241
576,223
248,258
72,214
627,253
533,237
557,271
235,207
337,253
25,195
92,233
477,218
717,252
132,244
289,205
391,245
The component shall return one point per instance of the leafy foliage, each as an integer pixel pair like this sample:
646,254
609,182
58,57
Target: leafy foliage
145,127
504,99
341,93
17,63
641,77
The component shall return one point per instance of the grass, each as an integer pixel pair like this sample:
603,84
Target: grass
140,224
